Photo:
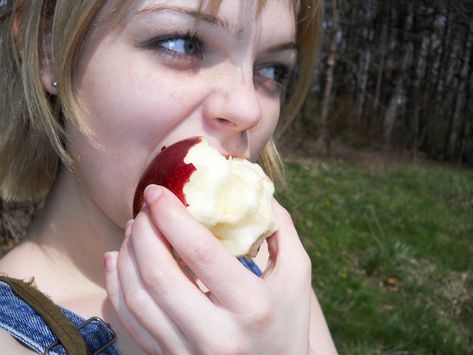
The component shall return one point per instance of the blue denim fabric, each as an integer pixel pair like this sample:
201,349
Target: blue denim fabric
23,323
251,265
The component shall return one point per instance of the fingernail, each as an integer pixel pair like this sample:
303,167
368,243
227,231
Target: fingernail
110,261
128,227
151,194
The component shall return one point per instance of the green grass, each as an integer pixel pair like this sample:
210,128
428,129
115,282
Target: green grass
392,253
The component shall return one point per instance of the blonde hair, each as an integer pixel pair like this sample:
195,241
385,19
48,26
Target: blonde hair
31,131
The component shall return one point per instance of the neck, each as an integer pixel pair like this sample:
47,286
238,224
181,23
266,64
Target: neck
73,233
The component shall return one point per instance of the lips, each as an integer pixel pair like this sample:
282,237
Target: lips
231,196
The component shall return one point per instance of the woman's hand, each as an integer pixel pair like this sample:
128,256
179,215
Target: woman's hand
164,310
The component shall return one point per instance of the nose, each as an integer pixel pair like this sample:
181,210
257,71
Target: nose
233,104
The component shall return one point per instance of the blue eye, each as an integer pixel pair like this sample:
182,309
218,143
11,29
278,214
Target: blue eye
178,45
275,72
182,46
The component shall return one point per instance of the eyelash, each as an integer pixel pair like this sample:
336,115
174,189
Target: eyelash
281,71
158,43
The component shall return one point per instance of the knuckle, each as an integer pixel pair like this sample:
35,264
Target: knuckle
202,249
227,339
305,265
260,317
140,222
284,213
230,349
231,345
136,302
302,271
157,280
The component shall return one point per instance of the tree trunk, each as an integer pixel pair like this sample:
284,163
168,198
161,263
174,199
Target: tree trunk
421,58
398,94
324,137
382,59
466,151
458,119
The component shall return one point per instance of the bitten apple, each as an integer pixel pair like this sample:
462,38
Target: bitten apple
231,196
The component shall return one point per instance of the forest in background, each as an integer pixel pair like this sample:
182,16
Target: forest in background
391,248
395,75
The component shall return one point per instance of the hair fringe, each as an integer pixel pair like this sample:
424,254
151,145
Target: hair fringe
32,138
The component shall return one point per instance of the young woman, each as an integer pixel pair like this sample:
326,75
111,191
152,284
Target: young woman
91,91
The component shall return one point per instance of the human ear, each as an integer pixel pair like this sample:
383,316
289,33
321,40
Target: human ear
47,72
43,47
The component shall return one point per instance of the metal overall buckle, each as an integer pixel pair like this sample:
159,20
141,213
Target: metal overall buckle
84,324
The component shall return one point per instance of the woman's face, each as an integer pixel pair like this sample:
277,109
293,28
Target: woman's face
170,71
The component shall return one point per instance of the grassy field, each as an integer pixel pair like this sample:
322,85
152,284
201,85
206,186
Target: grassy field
392,253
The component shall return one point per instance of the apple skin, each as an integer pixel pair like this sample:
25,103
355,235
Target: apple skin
230,196
167,169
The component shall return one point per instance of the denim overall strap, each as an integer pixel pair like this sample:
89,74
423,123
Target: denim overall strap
21,321
68,336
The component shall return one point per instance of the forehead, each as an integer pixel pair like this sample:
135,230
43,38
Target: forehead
207,5
266,24
242,11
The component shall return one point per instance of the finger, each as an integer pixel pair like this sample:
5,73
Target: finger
229,282
289,272
180,299
288,259
142,306
115,294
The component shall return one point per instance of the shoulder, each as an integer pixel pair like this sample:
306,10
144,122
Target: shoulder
9,345
19,321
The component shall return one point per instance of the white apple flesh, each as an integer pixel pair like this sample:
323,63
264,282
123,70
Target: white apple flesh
230,196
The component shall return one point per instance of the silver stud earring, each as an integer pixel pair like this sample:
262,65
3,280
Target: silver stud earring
54,84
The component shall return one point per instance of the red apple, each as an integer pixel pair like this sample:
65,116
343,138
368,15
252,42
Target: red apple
167,169
231,196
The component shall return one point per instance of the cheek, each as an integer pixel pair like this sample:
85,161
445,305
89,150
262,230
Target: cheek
132,105
129,117
126,96
262,134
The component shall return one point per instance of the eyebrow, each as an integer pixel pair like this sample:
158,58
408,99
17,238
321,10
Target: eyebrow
287,46
199,15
